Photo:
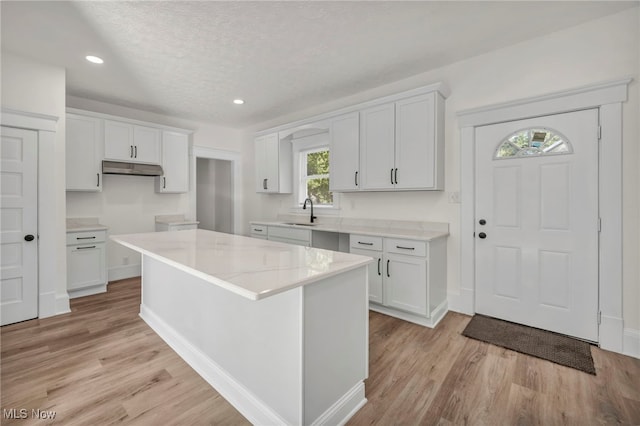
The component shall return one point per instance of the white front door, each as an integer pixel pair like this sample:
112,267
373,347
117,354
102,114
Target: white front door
537,222
18,225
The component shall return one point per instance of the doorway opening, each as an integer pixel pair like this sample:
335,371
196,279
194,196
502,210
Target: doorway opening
214,194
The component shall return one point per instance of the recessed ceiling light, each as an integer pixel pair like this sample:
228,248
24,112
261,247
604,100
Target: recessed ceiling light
238,101
94,59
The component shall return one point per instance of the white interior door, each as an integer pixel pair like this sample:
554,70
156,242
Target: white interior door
537,222
18,225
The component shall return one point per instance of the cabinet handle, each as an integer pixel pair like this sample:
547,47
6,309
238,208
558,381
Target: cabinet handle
396,175
379,273
391,176
406,248
130,151
257,230
98,185
356,178
85,238
388,268
135,148
264,183
87,247
164,182
365,244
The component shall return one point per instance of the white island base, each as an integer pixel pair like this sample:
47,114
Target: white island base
297,357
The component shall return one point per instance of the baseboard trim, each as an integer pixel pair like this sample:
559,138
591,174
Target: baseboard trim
430,322
89,291
62,304
611,333
631,342
340,412
462,302
237,395
116,273
46,304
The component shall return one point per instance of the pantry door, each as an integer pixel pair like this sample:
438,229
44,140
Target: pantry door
537,222
18,225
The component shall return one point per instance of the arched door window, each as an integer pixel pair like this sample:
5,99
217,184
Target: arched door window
532,142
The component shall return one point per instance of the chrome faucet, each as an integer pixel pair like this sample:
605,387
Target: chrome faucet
304,207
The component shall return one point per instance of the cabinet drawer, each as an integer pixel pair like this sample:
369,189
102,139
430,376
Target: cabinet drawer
86,237
258,231
183,227
289,233
365,242
409,247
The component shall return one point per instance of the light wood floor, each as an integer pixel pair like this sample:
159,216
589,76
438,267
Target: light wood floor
101,364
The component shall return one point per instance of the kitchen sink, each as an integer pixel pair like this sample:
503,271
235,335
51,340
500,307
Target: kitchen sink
300,224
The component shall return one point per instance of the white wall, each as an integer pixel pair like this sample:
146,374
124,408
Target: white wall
129,204
597,51
33,87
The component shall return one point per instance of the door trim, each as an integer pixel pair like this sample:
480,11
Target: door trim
608,97
52,300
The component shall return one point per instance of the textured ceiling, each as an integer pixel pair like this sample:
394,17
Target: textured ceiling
191,59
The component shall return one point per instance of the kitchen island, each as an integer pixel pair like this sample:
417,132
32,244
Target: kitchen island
280,331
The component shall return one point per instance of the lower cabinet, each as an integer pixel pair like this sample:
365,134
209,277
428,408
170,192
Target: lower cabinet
407,279
86,263
259,231
300,237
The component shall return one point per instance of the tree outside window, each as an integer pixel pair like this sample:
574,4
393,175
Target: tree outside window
314,174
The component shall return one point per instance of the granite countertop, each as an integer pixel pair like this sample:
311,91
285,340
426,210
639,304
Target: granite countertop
249,267
175,219
424,231
81,224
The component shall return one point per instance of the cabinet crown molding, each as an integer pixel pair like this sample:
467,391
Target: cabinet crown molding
128,120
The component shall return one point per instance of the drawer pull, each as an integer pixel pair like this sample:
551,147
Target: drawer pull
85,238
406,248
365,244
257,230
87,247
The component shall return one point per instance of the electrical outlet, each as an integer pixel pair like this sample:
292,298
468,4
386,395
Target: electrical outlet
454,197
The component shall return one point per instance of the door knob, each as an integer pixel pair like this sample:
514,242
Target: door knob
482,222
29,237
482,235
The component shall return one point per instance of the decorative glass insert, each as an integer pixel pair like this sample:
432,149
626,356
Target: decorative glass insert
532,143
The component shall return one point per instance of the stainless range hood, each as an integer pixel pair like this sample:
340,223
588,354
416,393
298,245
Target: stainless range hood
122,168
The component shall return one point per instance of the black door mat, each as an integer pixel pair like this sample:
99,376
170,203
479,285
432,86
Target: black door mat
543,344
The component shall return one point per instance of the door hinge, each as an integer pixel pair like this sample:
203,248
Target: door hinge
599,224
599,317
599,132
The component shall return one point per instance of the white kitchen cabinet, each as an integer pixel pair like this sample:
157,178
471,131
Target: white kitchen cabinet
86,263
259,231
273,164
402,144
372,247
377,147
131,143
344,153
84,150
408,279
284,234
175,163
419,143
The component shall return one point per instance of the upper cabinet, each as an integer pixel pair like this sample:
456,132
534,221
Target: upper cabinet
131,143
92,137
84,150
344,156
273,164
175,163
402,144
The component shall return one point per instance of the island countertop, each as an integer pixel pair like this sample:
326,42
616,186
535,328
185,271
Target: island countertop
249,267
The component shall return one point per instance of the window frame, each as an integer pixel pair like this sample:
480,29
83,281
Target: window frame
301,147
